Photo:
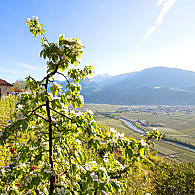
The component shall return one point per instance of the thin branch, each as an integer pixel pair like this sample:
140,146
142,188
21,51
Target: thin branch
50,74
37,109
64,76
60,114
41,117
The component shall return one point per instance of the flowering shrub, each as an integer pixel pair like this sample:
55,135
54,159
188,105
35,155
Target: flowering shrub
54,149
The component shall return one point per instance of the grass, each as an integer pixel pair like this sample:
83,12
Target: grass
7,106
175,125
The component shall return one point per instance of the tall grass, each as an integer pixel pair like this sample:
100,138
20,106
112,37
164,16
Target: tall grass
7,106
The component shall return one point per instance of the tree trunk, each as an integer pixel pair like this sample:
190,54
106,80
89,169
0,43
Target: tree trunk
52,178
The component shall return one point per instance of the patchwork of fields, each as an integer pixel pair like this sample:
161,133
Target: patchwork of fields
180,126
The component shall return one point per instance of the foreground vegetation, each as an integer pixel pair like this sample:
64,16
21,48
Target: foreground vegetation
7,106
158,177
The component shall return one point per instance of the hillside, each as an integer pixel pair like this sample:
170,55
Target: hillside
158,85
152,86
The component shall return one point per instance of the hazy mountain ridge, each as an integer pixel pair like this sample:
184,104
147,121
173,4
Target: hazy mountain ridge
158,85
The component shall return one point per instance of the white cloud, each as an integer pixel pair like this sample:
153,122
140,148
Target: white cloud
166,5
28,66
10,72
149,32
160,2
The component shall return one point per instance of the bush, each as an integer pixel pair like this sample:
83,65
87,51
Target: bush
174,178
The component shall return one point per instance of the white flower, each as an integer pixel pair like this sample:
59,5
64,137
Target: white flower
103,169
109,179
79,42
22,165
15,187
55,98
72,111
90,112
20,106
103,192
143,143
75,51
35,17
27,92
28,20
94,177
44,145
78,141
44,189
112,130
106,160
70,39
112,141
74,125
61,36
88,166
122,135
47,171
148,194
79,114
2,171
29,179
61,48
60,86
68,46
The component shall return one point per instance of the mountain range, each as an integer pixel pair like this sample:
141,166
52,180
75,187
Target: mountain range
152,86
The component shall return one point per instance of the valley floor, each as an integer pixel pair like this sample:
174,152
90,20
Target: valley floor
178,126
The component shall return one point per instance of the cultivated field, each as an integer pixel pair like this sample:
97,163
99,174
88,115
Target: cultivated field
175,125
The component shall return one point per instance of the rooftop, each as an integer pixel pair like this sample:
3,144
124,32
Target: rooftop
5,83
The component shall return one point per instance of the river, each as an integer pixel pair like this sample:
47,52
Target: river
133,127
137,129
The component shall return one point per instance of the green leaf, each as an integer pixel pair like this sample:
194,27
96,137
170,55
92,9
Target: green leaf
90,143
142,151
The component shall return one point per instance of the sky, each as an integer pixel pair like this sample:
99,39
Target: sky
119,36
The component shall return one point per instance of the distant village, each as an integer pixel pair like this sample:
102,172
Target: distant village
159,110
145,123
